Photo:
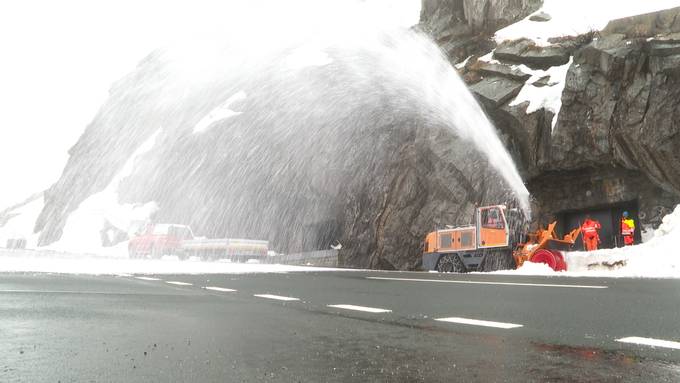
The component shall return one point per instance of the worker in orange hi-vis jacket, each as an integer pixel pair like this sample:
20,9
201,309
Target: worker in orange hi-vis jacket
627,229
591,236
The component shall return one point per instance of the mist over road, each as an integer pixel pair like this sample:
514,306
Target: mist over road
337,326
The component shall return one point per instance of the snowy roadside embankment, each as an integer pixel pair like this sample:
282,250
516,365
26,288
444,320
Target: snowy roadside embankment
657,258
52,262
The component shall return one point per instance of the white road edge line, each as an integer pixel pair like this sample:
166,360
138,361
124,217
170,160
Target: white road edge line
222,289
489,283
179,283
276,297
361,308
650,342
148,278
477,322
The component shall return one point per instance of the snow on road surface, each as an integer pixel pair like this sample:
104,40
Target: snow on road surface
37,262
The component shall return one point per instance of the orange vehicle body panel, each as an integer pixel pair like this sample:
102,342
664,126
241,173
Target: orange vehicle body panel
431,242
493,237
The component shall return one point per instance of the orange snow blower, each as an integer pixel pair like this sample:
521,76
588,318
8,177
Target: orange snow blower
492,242
543,246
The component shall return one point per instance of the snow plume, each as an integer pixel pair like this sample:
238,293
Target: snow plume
220,113
101,212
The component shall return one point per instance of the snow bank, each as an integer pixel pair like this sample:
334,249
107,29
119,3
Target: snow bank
657,258
530,268
46,262
575,17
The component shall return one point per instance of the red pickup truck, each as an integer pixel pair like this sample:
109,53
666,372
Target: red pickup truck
172,239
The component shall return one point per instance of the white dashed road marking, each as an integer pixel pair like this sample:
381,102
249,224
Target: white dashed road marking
477,322
276,297
148,278
488,283
361,308
179,283
650,342
221,289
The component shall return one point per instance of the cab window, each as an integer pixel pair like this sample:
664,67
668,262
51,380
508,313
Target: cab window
492,219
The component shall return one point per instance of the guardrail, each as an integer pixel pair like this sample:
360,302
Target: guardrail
323,258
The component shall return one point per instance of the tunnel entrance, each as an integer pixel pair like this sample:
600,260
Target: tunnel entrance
609,217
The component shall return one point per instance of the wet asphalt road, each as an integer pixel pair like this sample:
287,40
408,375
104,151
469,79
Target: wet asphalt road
124,329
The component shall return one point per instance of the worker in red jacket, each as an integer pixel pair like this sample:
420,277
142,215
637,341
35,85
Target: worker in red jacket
591,236
627,229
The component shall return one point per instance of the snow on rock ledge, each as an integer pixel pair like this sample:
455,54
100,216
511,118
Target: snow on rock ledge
575,17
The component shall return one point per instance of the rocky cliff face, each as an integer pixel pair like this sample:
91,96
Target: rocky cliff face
382,173
302,165
616,136
463,27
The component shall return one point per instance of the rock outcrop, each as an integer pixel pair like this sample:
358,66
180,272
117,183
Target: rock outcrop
463,27
617,135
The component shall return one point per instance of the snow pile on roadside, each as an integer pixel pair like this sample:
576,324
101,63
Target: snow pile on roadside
575,17
548,96
530,268
26,261
659,257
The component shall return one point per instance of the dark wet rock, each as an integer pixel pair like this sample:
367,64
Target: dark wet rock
540,17
663,48
500,70
650,24
525,51
620,110
464,27
491,15
543,81
496,91
617,132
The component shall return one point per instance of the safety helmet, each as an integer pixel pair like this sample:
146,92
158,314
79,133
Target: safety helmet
625,214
